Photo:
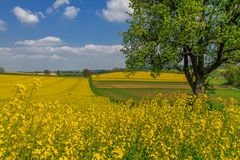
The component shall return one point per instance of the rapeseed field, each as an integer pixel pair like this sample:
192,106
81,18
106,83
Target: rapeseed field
51,87
92,127
141,76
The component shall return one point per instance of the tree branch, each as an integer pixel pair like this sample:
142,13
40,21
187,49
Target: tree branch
219,60
186,68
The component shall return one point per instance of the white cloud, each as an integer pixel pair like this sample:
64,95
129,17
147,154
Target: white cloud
89,49
2,25
57,4
54,48
117,10
47,41
101,49
71,12
26,16
57,57
40,54
41,14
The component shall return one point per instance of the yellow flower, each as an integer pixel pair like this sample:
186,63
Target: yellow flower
37,83
20,89
63,158
217,123
119,152
180,134
97,156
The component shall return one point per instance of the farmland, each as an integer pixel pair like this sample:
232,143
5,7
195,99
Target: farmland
120,86
51,87
46,117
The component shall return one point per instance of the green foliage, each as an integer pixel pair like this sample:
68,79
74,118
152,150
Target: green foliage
194,36
2,70
86,73
232,74
92,86
46,71
58,73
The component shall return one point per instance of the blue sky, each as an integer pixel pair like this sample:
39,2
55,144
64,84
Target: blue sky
62,34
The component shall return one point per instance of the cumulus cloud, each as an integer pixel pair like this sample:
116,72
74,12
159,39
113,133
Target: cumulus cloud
57,57
57,4
26,16
47,41
60,52
40,14
2,25
117,10
71,12
55,45
52,53
89,49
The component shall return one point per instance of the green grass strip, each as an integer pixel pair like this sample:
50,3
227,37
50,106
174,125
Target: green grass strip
92,86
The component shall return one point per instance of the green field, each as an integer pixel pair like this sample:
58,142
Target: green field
123,90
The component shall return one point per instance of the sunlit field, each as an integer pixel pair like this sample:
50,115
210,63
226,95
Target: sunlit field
60,118
140,76
51,87
120,86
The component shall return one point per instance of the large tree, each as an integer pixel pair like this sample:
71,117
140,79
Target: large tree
194,36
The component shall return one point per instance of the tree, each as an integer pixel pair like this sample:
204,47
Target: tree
193,36
58,72
46,71
86,73
2,70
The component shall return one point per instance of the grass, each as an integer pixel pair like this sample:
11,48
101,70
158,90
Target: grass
226,93
137,88
138,93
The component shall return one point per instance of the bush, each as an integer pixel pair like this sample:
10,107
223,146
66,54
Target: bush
86,73
232,75
2,70
47,72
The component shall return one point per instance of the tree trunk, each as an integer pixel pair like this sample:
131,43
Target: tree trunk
196,79
199,86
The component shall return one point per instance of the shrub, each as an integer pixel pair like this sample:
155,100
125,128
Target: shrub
232,74
86,73
2,70
46,71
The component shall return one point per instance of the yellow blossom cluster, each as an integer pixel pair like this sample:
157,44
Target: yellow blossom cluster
48,87
95,128
146,76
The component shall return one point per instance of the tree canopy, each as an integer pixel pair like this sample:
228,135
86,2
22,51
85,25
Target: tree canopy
46,71
86,73
193,36
2,70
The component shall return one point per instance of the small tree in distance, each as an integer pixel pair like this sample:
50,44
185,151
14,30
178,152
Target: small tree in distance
58,73
86,73
2,70
46,71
